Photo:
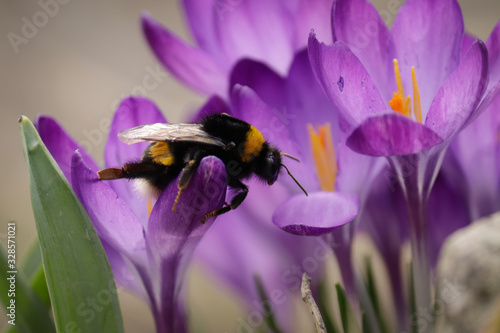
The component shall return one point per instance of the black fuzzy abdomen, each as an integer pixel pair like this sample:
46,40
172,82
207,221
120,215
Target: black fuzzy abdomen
227,128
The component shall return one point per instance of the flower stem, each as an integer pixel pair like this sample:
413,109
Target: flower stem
416,174
341,242
417,210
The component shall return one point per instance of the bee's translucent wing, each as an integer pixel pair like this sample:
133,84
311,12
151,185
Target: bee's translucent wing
169,132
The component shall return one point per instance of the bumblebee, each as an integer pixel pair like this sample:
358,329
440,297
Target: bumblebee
177,149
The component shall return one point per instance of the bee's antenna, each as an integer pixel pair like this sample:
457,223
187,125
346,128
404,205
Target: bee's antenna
294,179
290,156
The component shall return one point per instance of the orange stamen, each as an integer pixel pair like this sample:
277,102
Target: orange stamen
324,156
417,108
399,81
398,102
401,104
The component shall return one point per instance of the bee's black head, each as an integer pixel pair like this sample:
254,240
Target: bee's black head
268,164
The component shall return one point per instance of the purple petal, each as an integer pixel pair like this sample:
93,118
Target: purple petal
446,214
457,100
317,214
60,145
205,193
112,218
345,81
201,16
132,111
121,272
427,34
306,104
391,134
262,79
358,24
493,89
312,15
493,45
475,150
115,223
258,29
215,104
466,44
172,236
356,171
492,92
190,65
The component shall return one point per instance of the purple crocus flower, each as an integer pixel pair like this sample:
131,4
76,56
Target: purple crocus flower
241,245
311,134
236,50
278,258
335,176
356,74
148,255
385,219
227,31
308,107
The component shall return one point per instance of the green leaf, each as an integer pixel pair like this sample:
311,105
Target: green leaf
39,285
374,299
33,261
413,301
330,325
365,323
33,270
21,303
269,317
349,322
79,278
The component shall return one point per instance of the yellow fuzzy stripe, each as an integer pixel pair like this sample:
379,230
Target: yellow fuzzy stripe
160,153
253,144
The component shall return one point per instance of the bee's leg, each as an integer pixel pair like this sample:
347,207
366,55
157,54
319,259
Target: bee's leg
235,201
185,176
129,171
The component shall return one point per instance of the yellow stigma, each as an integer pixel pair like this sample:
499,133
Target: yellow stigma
401,104
324,156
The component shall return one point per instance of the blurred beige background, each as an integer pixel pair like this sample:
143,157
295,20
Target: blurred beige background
76,68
